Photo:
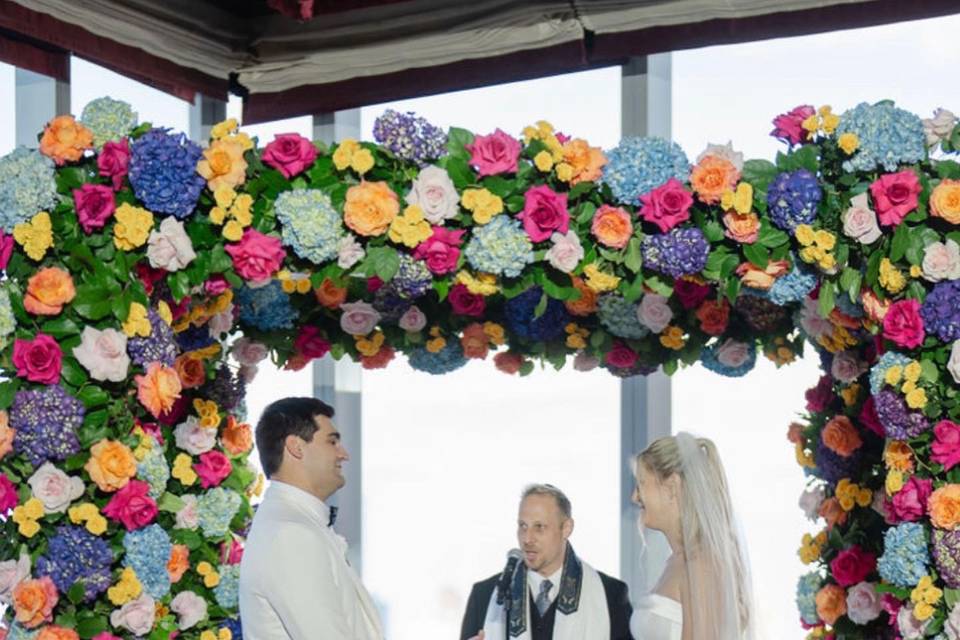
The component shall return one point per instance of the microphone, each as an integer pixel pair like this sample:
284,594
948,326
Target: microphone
514,556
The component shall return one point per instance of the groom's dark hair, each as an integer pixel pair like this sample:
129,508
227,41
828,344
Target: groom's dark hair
282,418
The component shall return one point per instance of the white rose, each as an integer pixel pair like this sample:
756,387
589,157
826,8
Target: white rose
953,364
188,517
12,573
434,192
810,501
733,354
847,367
863,603
359,318
941,261
349,252
860,221
103,354
951,625
413,319
190,608
248,372
724,151
910,628
170,247
137,616
812,322
583,361
221,323
249,352
566,252
939,126
194,438
55,489
654,312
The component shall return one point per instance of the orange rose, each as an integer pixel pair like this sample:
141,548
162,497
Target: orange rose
34,600
380,360
587,162
898,455
875,309
7,434
223,164
832,512
945,201
65,140
191,371
237,437
741,228
179,562
841,437
57,633
712,176
586,304
111,465
795,433
158,389
370,208
47,291
330,295
944,507
753,276
475,342
612,226
831,603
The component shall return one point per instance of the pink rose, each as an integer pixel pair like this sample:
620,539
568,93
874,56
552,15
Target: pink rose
413,319
231,552
494,153
103,354
621,356
215,285
94,204
8,495
54,488
852,565
544,211
38,360
434,193
132,506
290,154
941,261
213,468
690,294
12,573
864,604
188,517
190,609
666,206
248,352
566,252
441,250
6,249
946,444
868,417
465,303
910,503
903,325
860,221
113,160
654,313
733,354
137,616
820,396
310,343
359,318
169,247
895,195
847,367
194,438
584,361
257,256
789,126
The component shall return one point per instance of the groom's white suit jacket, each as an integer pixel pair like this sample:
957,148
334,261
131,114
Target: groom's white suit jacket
295,582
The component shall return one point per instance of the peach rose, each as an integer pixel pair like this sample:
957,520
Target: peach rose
370,208
831,603
841,437
329,295
34,600
711,177
612,226
898,455
587,162
757,278
223,164
7,433
875,309
47,291
64,140
741,228
111,465
158,389
944,507
945,201
475,342
191,371
179,562
237,437
54,632
586,304
832,512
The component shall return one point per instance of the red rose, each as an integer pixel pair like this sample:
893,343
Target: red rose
38,360
508,362
94,204
113,161
868,417
789,126
895,195
494,153
852,565
310,343
465,303
903,325
544,211
820,396
290,154
132,506
380,360
946,444
621,356
714,315
690,294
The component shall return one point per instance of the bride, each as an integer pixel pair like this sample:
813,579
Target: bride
704,592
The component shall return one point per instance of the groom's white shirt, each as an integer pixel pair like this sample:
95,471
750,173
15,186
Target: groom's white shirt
295,583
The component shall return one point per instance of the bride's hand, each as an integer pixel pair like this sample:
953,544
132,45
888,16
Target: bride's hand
479,636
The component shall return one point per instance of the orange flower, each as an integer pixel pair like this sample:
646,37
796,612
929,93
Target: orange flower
65,140
54,632
898,455
875,309
742,228
587,162
475,342
7,434
831,603
612,226
179,562
841,437
237,437
158,389
944,507
712,176
380,360
191,371
945,201
34,600
111,465
370,208
223,164
795,433
753,276
586,303
832,512
330,295
47,291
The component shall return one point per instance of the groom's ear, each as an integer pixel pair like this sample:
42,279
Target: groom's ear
567,527
293,446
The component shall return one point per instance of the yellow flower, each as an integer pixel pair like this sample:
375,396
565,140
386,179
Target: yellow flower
33,509
598,281
804,234
543,161
894,481
575,341
864,497
35,236
495,332
29,528
223,128
827,262
224,195
483,284
132,228
740,200
245,142
362,161
564,172
233,231
137,323
224,634
893,375
913,371
211,580
127,588
848,142
436,345
208,635
343,156
925,596
917,399
223,164
908,387
825,239
203,568
891,278
183,470
410,228
218,215
811,123
829,120
850,394
804,459
672,338
240,209
370,346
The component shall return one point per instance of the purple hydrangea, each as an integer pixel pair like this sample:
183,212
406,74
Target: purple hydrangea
159,346
76,555
163,172
409,137
946,555
941,311
833,467
46,421
194,338
390,303
413,278
792,199
897,421
226,389
677,253
761,314
520,318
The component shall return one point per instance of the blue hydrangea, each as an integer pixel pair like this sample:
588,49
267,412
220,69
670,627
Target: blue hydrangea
793,198
500,247
215,510
905,559
807,587
448,359
236,629
879,370
409,137
47,420
108,119
619,317
941,311
888,137
27,186
163,172
147,553
311,226
265,308
74,555
227,593
16,632
413,278
710,362
7,321
520,312
677,253
792,287
155,471
639,165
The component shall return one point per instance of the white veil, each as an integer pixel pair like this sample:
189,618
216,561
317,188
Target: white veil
719,603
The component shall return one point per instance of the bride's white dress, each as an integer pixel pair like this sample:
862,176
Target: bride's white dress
656,617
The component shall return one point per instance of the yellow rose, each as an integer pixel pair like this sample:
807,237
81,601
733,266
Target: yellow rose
223,128
672,338
35,236
223,164
343,156
913,371
564,172
804,234
97,525
132,228
543,161
240,210
436,345
111,465
599,281
245,142
945,201
137,322
575,341
362,161
893,375
894,481
917,399
482,204
494,332
891,278
233,231
224,196
848,142
811,123
410,229
827,262
218,215
864,497
825,239
484,284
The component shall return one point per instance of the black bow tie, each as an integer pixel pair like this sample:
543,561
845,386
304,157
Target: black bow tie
333,516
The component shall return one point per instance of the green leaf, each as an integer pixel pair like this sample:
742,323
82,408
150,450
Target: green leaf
73,372
8,390
632,291
658,286
951,597
633,259
757,254
929,371
733,289
76,593
219,259
948,169
827,301
459,172
442,287
170,503
806,157
901,238
179,285
580,189
92,302
92,396
587,209
498,185
771,237
850,281
457,139
60,327
541,307
385,262
91,627
759,173
713,231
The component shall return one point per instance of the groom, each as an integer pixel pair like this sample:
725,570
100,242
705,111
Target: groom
552,594
295,581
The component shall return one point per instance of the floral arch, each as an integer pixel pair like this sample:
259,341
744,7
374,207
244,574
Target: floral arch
146,277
